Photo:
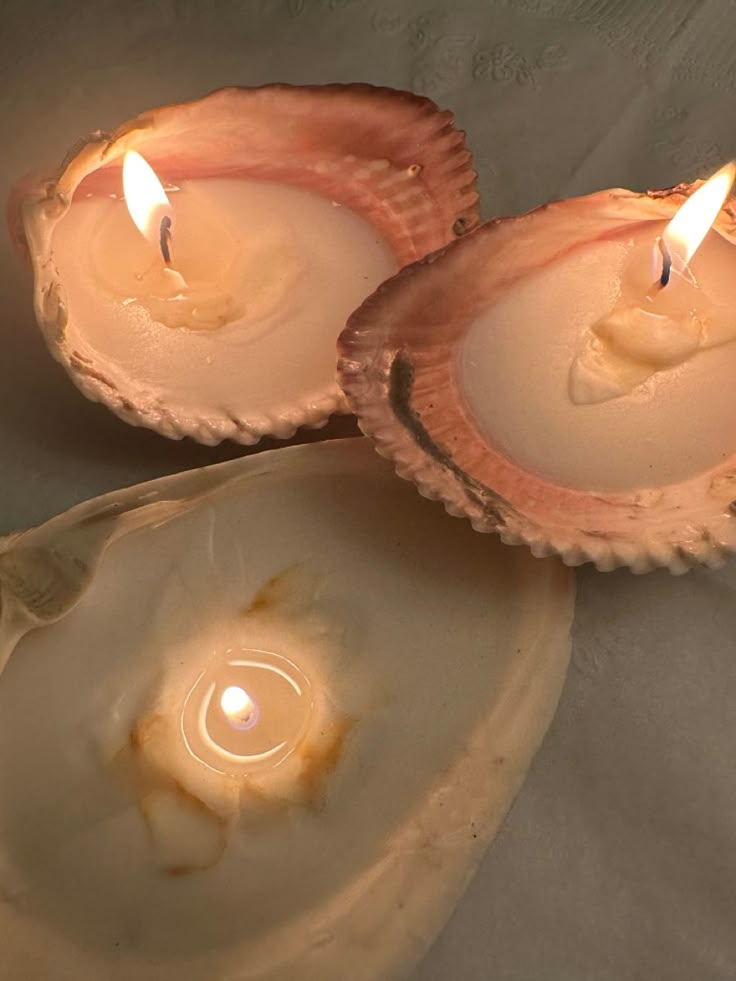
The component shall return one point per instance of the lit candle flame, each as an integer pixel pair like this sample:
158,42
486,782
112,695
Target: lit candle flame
239,708
684,234
147,202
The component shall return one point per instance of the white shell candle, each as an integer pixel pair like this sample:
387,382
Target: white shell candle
538,379
286,206
131,849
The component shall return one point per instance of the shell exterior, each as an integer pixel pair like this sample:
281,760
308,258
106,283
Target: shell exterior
356,886
396,367
391,156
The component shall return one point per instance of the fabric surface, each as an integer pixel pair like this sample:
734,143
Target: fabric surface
617,862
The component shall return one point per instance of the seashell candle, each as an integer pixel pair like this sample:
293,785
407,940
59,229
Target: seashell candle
209,306
248,750
565,378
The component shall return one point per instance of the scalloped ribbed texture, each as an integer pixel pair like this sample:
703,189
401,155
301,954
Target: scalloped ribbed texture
396,366
391,156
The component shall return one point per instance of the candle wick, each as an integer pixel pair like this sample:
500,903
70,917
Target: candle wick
165,239
666,262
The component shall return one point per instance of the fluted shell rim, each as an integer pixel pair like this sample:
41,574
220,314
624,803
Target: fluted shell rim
381,358
431,199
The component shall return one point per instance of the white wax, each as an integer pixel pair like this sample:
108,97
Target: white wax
514,367
247,713
308,264
284,554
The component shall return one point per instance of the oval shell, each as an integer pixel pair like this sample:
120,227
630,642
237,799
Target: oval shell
393,158
353,876
396,366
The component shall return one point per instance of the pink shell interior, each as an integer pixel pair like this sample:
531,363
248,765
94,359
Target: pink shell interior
397,368
391,155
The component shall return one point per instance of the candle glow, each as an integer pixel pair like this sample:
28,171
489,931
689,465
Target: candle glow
652,328
146,200
239,708
247,711
684,234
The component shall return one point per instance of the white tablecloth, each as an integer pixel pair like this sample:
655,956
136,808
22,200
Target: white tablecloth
618,860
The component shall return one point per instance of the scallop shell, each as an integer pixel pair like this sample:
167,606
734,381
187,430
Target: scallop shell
396,367
446,652
392,157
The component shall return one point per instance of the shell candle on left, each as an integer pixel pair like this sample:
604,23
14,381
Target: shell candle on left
207,299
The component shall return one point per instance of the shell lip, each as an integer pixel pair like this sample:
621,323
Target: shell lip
390,359
430,199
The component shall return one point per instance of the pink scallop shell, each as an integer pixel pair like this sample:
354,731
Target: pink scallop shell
396,366
392,156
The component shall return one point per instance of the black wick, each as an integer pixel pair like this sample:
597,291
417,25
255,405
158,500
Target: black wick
666,262
165,239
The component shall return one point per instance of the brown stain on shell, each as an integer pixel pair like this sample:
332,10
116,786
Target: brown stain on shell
258,805
320,758
275,592
318,755
188,802
148,779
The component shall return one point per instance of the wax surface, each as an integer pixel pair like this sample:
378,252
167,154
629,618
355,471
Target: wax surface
261,724
514,370
397,814
321,260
